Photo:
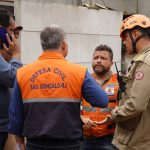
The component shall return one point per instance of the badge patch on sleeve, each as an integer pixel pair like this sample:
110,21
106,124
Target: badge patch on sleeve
139,75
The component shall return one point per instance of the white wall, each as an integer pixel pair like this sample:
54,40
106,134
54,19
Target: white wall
85,29
144,7
128,6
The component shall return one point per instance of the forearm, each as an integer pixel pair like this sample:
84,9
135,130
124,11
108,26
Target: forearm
6,55
93,93
8,71
125,112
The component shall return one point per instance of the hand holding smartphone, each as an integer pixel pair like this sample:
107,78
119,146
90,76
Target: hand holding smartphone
9,44
3,38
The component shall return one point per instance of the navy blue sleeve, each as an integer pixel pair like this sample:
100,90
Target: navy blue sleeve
93,93
16,114
8,71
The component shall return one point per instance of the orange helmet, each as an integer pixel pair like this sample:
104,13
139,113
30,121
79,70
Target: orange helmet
134,20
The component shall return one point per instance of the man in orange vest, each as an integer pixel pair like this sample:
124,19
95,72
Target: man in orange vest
45,105
99,137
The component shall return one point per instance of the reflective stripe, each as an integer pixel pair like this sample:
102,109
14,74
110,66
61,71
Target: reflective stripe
88,109
93,109
108,109
51,100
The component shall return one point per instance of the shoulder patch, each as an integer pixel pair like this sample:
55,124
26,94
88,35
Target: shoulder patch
139,75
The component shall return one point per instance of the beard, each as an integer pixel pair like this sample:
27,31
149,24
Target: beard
129,51
101,70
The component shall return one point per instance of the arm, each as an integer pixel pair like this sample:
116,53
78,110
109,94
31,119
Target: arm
139,97
8,71
93,93
16,114
16,117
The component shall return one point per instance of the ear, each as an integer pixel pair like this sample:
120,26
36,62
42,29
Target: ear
111,63
64,48
136,34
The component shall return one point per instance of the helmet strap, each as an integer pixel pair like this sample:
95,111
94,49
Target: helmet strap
134,41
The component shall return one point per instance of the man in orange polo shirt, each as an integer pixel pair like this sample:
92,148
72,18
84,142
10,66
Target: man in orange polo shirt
97,136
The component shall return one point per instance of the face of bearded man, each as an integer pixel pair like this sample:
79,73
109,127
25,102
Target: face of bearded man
101,62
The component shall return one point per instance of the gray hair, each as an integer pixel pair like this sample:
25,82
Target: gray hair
51,37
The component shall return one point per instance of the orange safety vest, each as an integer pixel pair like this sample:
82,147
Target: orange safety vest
51,92
111,87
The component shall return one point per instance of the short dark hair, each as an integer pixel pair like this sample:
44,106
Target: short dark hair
4,22
5,17
145,31
51,37
105,48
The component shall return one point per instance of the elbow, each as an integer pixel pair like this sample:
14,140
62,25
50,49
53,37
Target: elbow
103,100
136,107
10,83
139,109
101,104
104,103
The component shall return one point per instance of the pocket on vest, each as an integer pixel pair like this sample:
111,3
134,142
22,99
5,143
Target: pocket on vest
123,136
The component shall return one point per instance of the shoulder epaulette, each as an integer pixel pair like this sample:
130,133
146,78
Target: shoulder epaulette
140,57
147,58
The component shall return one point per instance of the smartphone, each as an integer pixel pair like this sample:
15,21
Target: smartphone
3,38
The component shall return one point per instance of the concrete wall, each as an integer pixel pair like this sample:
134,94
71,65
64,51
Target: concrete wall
85,29
144,7
128,6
